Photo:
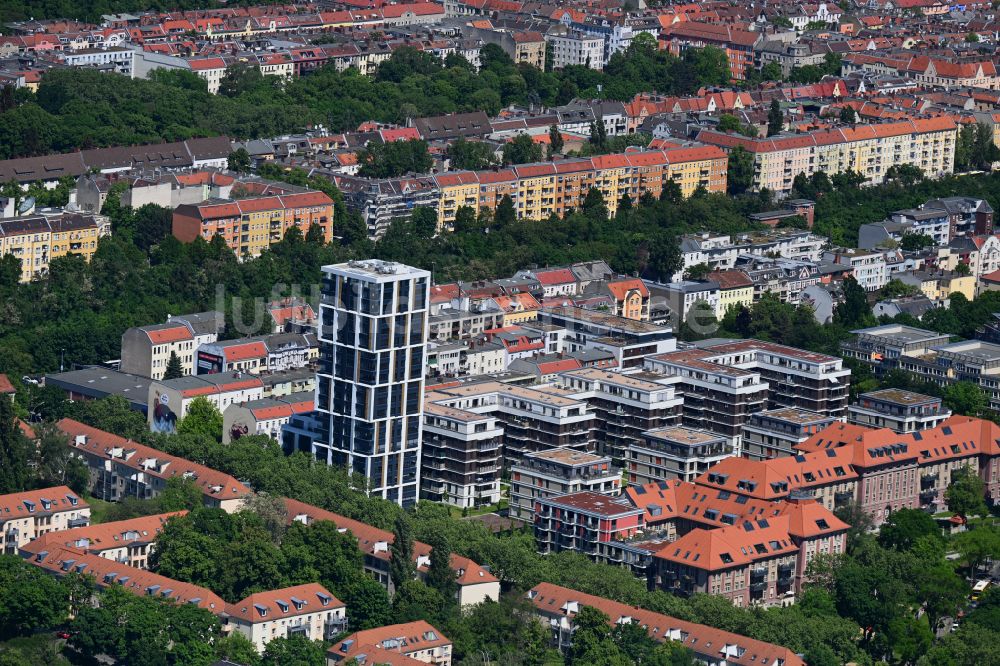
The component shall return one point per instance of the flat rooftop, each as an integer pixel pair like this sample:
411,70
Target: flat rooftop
900,333
97,381
682,435
793,415
900,397
568,457
604,319
369,268
595,503
976,349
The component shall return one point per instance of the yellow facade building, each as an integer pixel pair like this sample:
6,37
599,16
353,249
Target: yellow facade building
36,240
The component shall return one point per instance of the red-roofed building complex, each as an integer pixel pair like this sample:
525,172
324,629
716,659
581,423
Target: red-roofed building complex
33,513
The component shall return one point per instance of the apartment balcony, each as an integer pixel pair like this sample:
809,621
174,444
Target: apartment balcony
842,498
928,481
928,496
785,569
757,589
786,580
758,574
334,627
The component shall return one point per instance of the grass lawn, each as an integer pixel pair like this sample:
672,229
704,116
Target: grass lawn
98,509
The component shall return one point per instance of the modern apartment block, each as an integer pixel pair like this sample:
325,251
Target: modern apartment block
717,398
672,453
369,395
881,346
558,472
250,226
899,410
624,405
628,340
582,521
120,468
462,453
774,433
29,515
927,143
724,382
38,239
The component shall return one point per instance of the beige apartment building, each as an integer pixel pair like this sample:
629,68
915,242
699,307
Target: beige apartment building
927,143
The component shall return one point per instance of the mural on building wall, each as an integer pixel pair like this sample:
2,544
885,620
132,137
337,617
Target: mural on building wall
164,419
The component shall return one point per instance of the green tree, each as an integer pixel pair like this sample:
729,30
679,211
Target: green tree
665,257
505,214
965,494
393,159
414,600
522,150
180,494
237,648
775,118
239,161
940,591
471,155
854,311
14,450
740,170
848,115
30,599
202,418
966,398
294,650
905,527
592,641
174,367
401,567
598,135
440,575
555,140
977,546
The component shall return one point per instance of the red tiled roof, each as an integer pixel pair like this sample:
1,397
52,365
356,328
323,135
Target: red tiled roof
295,601
717,645
213,483
59,498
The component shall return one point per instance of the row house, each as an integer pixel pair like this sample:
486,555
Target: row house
624,405
146,350
754,562
544,189
268,353
558,606
559,472
120,468
304,610
36,240
308,611
28,515
126,541
475,583
630,341
723,252
409,643
927,143
250,226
